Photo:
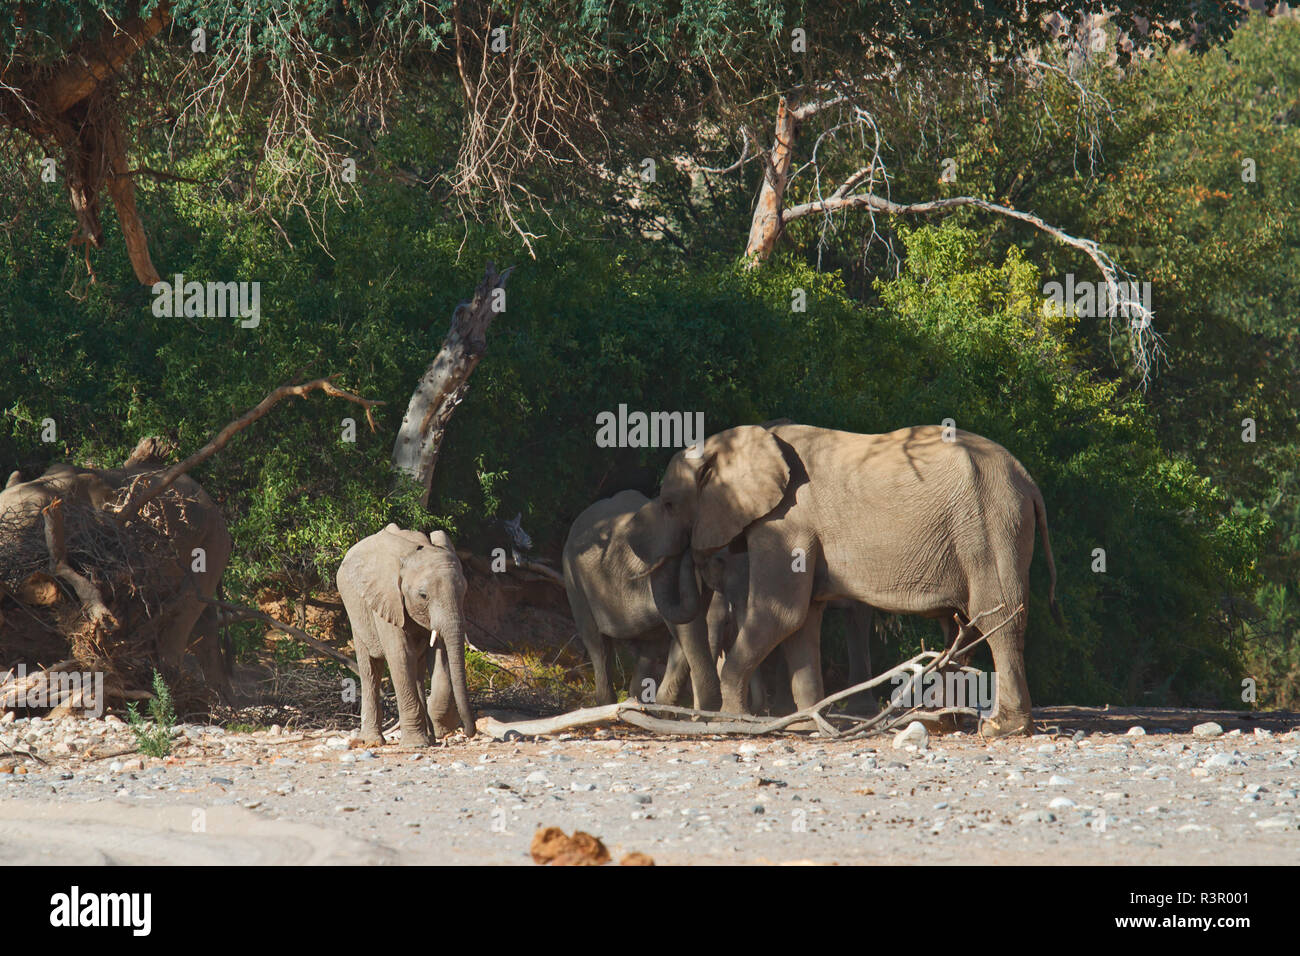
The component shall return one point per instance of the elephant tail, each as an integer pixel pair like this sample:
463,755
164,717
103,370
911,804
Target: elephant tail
1040,515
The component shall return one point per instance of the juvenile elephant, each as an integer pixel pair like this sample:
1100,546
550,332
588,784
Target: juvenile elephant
726,573
192,518
612,599
925,520
404,593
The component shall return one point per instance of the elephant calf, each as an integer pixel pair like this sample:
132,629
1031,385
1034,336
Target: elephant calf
404,593
613,598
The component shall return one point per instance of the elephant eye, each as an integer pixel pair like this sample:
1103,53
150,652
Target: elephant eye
422,593
669,506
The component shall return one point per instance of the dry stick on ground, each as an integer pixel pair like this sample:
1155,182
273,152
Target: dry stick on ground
135,501
239,611
644,715
92,602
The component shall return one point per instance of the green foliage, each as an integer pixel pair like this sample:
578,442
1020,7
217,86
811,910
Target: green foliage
1201,531
153,737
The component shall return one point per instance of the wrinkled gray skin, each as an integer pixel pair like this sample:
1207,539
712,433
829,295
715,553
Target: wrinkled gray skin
404,593
726,573
612,599
907,522
198,522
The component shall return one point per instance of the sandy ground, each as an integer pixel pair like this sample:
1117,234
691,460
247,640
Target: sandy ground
1085,792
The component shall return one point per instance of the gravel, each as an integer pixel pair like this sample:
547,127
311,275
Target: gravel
281,796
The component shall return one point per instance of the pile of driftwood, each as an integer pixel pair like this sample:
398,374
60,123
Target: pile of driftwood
92,588
900,710
117,575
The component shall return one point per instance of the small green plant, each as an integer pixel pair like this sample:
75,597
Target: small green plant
153,737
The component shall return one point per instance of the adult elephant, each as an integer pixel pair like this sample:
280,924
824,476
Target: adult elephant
404,593
612,599
925,520
198,539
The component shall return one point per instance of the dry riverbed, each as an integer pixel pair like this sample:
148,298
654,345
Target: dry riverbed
1088,792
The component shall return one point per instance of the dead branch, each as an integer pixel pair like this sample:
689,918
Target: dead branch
241,612
483,566
1147,343
92,602
653,717
138,499
445,383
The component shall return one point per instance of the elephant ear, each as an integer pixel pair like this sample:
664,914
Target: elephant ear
442,540
14,479
743,476
376,574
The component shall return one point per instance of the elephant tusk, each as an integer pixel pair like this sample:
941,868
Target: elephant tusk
433,636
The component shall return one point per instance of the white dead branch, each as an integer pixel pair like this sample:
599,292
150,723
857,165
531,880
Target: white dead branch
863,189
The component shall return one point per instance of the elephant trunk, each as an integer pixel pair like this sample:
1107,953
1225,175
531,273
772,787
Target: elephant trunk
453,635
676,591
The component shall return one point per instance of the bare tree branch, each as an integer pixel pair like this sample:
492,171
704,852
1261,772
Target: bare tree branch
138,498
445,382
1147,344
241,612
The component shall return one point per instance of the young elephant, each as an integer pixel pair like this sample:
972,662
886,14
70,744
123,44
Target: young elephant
726,573
614,598
404,594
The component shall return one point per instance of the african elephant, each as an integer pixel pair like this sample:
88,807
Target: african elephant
194,521
404,593
612,599
924,520
726,573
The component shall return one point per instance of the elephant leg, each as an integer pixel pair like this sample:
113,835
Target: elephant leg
861,619
803,656
371,678
1012,713
599,650
444,718
205,643
644,682
776,677
403,661
758,684
694,641
676,673
778,603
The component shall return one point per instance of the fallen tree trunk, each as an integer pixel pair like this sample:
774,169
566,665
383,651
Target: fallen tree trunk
92,602
445,382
